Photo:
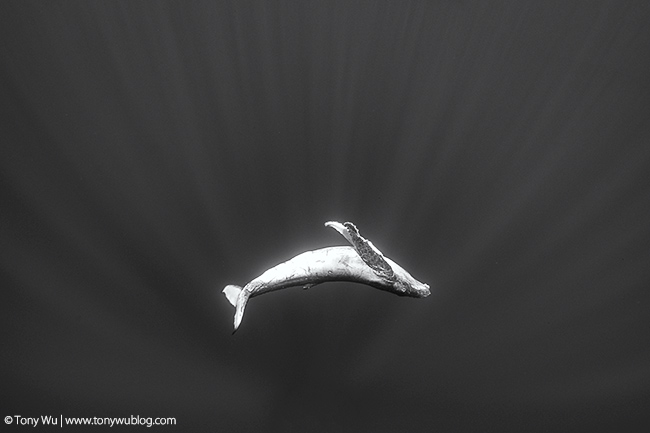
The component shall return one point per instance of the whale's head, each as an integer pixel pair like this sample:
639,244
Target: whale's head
406,285
413,288
418,289
386,274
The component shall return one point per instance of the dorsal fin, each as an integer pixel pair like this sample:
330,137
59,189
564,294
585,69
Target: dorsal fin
366,250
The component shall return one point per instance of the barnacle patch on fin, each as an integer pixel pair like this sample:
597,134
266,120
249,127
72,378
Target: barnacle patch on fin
366,250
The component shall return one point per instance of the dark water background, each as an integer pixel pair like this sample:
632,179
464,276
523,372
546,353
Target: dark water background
153,152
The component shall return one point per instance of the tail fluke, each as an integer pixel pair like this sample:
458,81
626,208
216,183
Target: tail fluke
238,297
231,293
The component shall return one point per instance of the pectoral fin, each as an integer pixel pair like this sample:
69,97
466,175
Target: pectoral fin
366,250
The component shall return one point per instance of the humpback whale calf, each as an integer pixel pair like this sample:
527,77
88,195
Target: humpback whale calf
361,263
